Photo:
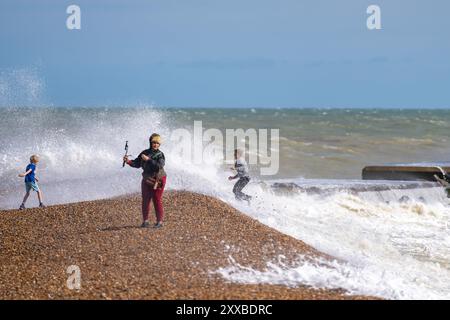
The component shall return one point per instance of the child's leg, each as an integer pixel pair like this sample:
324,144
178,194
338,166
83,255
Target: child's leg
237,189
26,197
39,193
244,183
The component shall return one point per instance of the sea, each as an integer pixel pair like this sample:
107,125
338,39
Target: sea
390,239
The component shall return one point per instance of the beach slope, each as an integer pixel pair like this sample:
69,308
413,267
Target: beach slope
119,260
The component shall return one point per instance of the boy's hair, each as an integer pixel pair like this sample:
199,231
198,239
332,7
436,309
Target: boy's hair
34,158
238,152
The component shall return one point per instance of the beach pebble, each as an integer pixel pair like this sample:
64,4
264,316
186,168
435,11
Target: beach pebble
119,260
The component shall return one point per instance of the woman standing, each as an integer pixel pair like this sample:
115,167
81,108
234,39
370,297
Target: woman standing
152,161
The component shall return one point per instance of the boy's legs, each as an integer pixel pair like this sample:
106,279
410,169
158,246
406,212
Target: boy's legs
27,194
39,193
237,189
34,186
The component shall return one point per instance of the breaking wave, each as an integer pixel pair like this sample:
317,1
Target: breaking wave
391,240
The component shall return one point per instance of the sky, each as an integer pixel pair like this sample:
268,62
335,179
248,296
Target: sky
226,53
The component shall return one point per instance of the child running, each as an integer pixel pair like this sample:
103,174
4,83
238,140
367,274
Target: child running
240,165
30,182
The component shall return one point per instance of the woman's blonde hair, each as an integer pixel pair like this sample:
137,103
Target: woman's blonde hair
155,137
34,158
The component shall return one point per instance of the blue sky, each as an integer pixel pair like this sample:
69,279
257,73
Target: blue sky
229,53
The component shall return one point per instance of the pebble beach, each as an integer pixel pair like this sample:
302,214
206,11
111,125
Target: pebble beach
119,260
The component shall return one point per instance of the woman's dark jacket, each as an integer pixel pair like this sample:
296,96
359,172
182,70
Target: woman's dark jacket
154,166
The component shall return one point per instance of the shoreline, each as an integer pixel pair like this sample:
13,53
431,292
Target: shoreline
119,260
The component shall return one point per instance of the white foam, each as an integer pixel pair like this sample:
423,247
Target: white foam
320,273
391,249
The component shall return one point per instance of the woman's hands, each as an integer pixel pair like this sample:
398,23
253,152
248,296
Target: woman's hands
143,158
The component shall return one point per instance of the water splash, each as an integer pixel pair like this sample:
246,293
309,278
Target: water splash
21,87
392,248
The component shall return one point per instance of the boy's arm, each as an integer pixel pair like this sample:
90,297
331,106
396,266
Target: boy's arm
24,174
241,167
235,176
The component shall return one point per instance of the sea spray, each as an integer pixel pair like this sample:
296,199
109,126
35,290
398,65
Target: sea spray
80,150
390,248
21,87
331,274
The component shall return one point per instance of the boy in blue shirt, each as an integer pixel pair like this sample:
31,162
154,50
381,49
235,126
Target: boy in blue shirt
30,182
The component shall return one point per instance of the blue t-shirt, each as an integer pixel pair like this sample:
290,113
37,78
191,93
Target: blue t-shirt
30,177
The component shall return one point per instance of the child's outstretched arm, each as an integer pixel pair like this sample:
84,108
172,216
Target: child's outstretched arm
24,174
235,176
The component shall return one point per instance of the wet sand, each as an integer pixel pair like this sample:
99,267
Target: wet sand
120,260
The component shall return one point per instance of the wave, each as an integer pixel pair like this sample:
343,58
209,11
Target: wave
389,243
391,239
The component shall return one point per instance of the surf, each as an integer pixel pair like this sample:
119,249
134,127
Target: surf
390,239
